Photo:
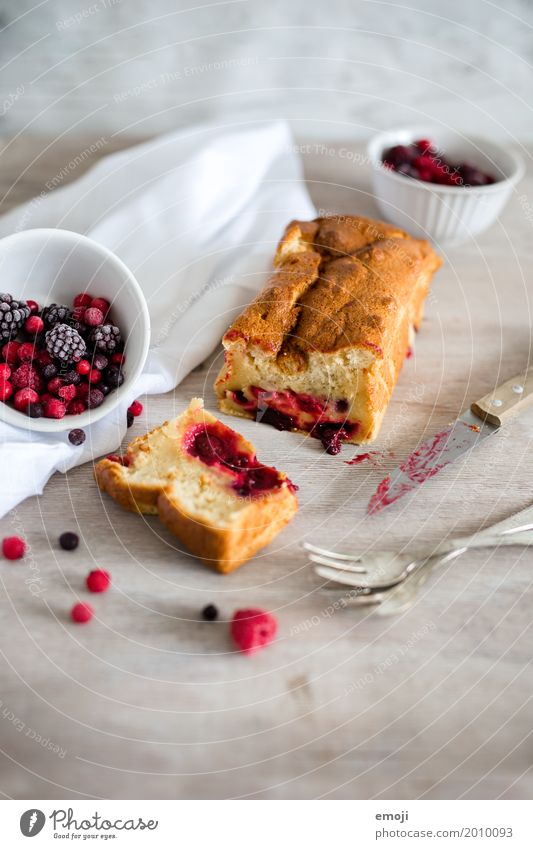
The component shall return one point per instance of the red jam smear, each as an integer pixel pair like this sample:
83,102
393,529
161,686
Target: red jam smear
288,410
218,445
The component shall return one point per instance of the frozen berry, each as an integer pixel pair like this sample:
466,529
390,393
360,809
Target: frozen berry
82,391
76,436
130,418
104,388
78,313
94,376
13,548
81,612
49,371
83,367
106,338
100,304
24,397
210,612
65,343
25,352
93,317
26,375
118,358
34,307
10,352
54,385
94,398
6,390
35,411
68,392
100,362
114,376
74,408
136,408
34,325
83,300
43,358
253,629
98,581
5,371
69,540
54,408
72,376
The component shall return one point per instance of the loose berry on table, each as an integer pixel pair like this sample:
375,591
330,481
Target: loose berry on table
98,581
130,418
81,612
76,436
69,540
210,613
252,629
13,548
136,408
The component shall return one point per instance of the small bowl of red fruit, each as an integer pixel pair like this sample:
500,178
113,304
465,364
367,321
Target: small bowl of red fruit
440,184
74,330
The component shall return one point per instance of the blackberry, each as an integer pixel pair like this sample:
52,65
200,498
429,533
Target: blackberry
13,314
71,376
65,344
114,376
49,371
106,338
55,314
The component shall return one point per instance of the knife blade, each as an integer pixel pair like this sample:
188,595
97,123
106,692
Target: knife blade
473,426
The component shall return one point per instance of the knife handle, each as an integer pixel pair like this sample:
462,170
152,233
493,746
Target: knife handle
506,399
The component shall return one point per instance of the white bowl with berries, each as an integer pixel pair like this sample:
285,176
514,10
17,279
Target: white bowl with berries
74,330
439,184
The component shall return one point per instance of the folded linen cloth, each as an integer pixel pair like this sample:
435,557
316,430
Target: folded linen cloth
195,215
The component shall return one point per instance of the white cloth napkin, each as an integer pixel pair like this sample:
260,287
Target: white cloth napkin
195,215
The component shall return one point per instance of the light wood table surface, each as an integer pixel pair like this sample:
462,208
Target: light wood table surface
149,701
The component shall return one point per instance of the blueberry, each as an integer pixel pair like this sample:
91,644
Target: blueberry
69,541
100,362
114,376
210,612
35,410
77,436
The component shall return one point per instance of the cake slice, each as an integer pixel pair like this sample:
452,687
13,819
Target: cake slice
206,484
321,348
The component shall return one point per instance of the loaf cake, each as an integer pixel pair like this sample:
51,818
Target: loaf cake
205,483
320,349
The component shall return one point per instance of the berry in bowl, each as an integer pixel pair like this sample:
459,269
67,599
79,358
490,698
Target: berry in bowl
74,330
440,184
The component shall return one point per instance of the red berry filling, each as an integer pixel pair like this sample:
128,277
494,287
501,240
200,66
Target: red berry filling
218,445
422,161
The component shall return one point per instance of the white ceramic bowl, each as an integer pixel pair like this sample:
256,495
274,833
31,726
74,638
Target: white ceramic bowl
446,214
52,266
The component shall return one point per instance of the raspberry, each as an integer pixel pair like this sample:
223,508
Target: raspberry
69,541
13,548
253,629
74,408
68,392
94,376
24,397
26,375
93,317
76,436
10,352
34,307
98,581
83,367
34,325
81,612
83,300
54,385
5,372
100,304
25,352
6,390
54,408
136,408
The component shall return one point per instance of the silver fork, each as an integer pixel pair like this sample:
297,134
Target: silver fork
380,571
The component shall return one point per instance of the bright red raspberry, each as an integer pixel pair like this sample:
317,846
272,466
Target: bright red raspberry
94,376
24,397
253,629
136,408
54,385
13,548
34,306
118,358
98,581
6,390
101,304
54,409
83,367
93,317
34,325
68,392
74,408
5,371
10,352
82,300
26,352
81,612
26,375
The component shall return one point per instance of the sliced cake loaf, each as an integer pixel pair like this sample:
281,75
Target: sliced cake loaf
207,485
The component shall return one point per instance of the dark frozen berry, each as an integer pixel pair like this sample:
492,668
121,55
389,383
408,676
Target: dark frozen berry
49,371
104,388
210,612
65,344
69,541
72,376
106,338
76,436
94,398
130,418
114,376
100,362
35,410
55,314
13,314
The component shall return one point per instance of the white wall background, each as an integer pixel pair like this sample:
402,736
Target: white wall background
336,68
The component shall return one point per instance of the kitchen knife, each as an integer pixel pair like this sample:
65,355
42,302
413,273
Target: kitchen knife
483,419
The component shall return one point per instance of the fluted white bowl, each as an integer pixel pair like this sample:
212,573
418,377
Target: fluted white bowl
447,214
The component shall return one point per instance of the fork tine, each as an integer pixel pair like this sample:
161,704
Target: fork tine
344,566
339,576
327,553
